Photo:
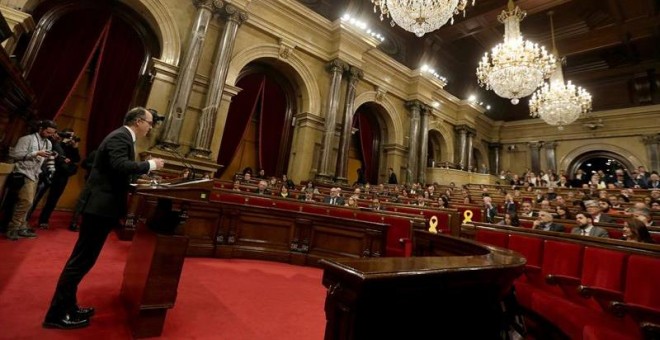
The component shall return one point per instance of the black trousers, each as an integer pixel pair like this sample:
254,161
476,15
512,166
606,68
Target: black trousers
56,189
94,231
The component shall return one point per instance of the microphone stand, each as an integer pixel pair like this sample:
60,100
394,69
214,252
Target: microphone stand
183,161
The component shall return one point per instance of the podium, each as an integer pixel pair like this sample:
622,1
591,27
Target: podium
157,253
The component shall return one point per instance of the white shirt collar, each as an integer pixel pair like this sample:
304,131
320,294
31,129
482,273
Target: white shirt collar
132,133
587,230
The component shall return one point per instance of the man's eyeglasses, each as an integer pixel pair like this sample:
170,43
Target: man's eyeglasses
150,122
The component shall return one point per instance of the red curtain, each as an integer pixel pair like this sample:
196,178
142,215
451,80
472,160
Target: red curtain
118,70
271,126
369,146
63,55
240,112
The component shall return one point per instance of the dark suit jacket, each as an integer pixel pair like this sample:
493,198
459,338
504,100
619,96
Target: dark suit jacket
551,227
106,190
605,218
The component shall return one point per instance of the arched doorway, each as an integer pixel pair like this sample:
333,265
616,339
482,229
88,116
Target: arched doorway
593,161
258,130
436,146
367,144
478,160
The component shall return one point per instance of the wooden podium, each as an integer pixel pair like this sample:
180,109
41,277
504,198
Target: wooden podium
156,256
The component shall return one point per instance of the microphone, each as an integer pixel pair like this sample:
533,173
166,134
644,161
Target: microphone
183,161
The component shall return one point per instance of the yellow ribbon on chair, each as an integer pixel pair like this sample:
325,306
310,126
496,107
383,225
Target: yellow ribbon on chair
467,216
433,224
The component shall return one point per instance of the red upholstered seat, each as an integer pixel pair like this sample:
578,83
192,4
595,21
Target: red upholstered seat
532,249
603,269
400,231
562,260
498,238
642,290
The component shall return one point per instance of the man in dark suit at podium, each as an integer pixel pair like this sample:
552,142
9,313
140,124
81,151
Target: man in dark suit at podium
103,204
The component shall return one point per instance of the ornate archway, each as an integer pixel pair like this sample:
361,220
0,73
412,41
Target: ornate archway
574,159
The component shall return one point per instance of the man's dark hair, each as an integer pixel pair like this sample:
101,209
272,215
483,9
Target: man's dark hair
586,215
134,114
46,123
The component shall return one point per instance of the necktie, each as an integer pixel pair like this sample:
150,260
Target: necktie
332,201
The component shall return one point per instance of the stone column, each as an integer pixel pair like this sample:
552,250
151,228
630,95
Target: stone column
187,70
652,143
470,149
495,158
535,154
353,76
337,69
462,145
551,156
423,144
415,108
233,19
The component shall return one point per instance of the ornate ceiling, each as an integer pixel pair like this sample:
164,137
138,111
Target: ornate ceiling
611,47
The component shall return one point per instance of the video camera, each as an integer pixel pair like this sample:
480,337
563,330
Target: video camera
68,135
156,117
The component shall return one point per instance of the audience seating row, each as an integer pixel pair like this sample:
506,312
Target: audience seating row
590,288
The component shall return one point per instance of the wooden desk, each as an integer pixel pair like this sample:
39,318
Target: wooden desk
433,294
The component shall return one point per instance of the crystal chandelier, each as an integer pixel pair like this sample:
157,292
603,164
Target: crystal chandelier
559,103
517,67
420,16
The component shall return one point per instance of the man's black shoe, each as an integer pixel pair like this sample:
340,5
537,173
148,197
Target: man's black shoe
85,312
66,322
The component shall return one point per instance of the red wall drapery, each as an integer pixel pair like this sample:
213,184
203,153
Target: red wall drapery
271,125
369,145
240,112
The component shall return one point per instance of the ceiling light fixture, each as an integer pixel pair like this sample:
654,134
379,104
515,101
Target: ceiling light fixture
516,67
420,16
559,103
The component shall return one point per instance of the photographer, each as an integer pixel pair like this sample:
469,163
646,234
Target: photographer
56,173
29,154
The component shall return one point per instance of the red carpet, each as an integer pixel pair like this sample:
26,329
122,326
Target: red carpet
218,299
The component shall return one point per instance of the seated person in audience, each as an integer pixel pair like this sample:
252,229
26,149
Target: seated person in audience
655,193
596,210
644,215
353,201
490,210
509,204
563,213
545,222
310,187
551,194
603,193
284,192
272,182
655,205
420,201
307,196
247,170
647,200
335,197
510,219
545,205
237,185
288,182
375,204
585,226
262,188
261,174
443,202
526,209
597,182
614,200
653,182
466,197
563,182
560,200
635,230
247,177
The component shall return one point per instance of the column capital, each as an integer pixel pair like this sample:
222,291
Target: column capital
651,139
550,145
533,145
414,105
463,128
495,145
353,74
232,13
211,5
337,66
